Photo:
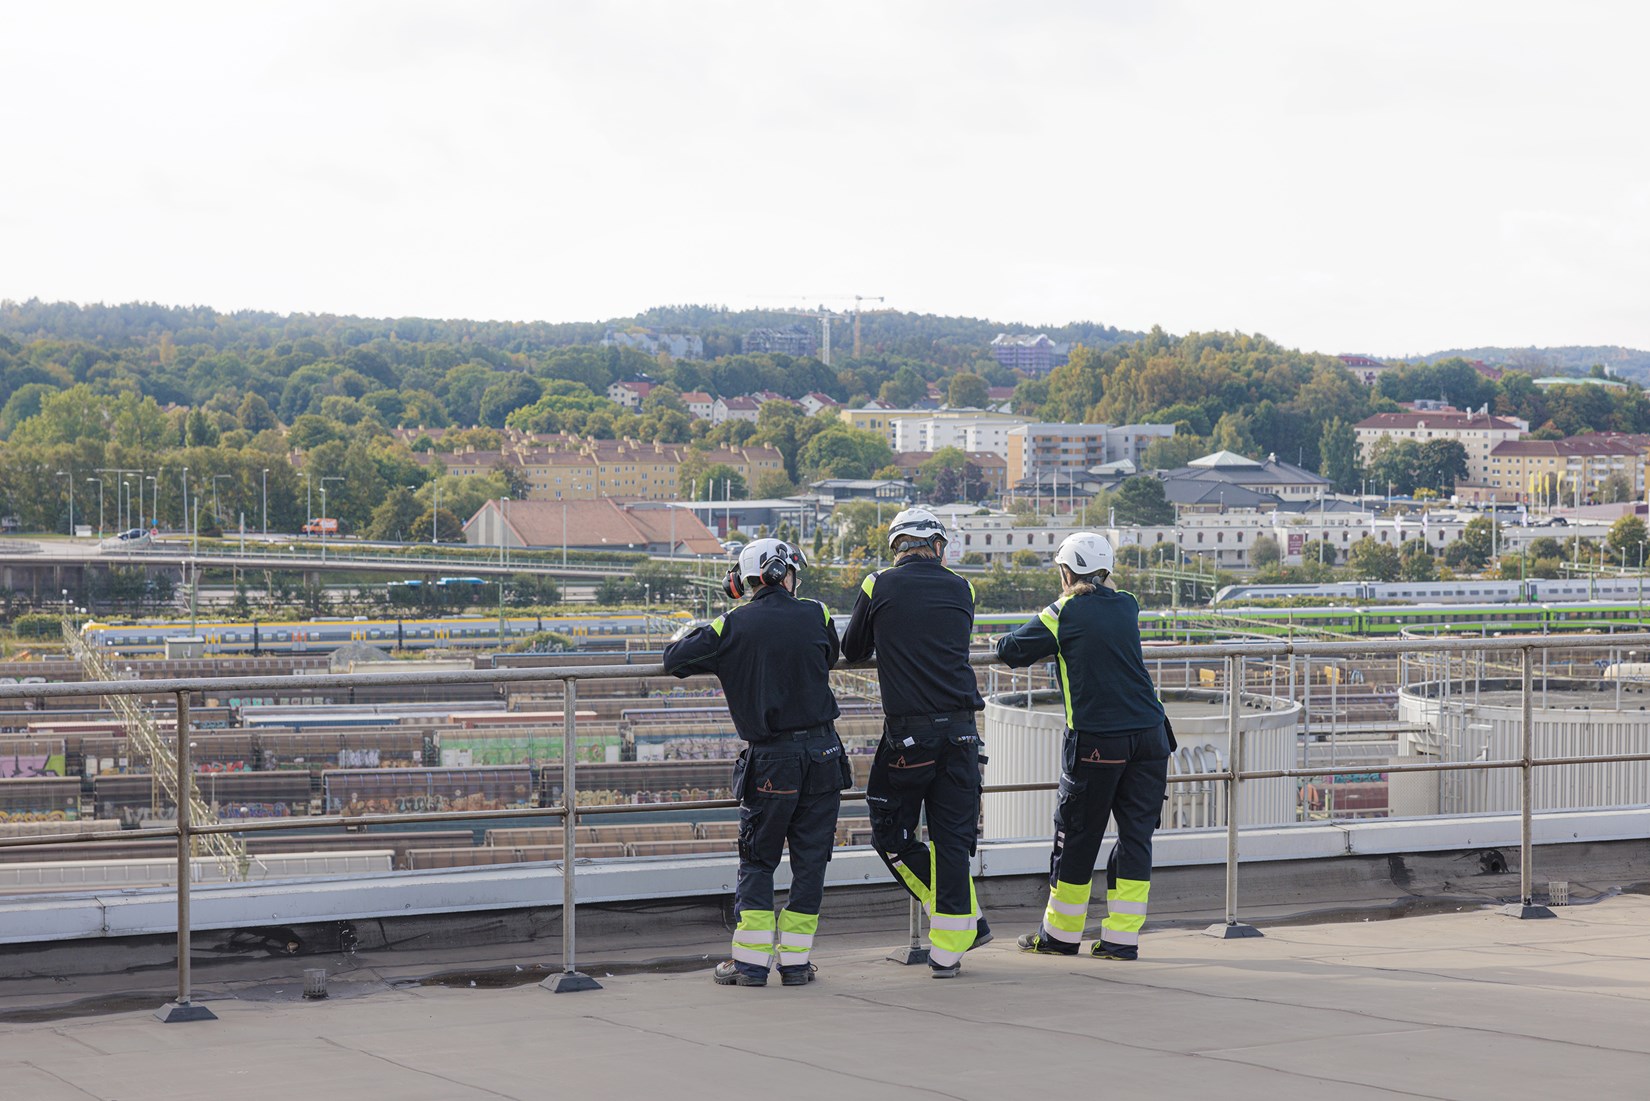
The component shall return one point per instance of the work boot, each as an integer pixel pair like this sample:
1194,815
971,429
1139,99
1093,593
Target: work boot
1100,950
798,976
1048,946
727,973
982,933
943,971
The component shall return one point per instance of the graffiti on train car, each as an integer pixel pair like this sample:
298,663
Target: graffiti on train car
38,816
227,811
38,764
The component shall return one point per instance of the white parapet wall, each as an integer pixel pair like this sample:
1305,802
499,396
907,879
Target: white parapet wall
1484,721
1023,737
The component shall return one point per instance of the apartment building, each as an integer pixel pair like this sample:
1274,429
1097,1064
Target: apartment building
966,429
1478,433
1570,471
1035,449
1035,355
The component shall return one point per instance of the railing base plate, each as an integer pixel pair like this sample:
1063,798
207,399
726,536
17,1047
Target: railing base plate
570,982
1233,930
173,1013
1526,912
910,954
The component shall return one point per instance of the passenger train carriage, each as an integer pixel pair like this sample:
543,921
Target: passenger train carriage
322,636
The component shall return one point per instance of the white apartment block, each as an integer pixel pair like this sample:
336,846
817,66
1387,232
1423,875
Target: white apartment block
1477,433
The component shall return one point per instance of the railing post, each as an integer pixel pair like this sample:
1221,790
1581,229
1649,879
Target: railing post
570,980
1525,907
1231,928
184,1009
916,951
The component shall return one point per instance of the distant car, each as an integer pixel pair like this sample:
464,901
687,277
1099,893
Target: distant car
733,547
1557,522
135,533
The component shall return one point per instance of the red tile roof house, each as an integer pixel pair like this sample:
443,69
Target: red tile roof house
606,524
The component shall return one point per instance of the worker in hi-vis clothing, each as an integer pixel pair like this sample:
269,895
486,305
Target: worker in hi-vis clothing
918,616
773,655
1114,758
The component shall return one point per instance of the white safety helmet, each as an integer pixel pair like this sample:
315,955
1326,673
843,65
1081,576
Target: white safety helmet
769,559
917,523
1085,552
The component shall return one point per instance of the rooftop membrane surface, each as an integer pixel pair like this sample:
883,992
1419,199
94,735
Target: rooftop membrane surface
1462,1004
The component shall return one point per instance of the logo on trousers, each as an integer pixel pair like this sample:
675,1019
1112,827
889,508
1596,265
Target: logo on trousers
767,788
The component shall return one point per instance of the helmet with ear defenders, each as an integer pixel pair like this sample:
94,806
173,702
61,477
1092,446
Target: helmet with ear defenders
767,559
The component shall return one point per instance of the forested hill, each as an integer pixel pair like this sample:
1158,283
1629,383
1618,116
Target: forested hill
1572,359
925,338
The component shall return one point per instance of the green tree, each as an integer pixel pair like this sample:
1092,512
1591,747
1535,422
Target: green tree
1477,543
1138,501
1264,552
505,396
1393,464
772,484
1315,551
716,482
255,414
1626,536
395,519
841,451
449,528
1417,564
968,391
1338,447
1439,464
1615,489
1374,561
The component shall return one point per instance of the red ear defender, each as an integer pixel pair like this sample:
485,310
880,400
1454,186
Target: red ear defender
732,585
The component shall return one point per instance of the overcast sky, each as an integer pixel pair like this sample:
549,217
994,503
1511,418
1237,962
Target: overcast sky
1386,178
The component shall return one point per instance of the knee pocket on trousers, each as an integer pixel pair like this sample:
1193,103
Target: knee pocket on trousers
883,814
751,817
1068,811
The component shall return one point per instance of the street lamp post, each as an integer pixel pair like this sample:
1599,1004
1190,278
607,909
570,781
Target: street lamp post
99,482
217,512
324,480
186,500
266,500
127,489
69,475
154,500
435,515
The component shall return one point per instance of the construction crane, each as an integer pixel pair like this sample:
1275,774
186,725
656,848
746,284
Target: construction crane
825,317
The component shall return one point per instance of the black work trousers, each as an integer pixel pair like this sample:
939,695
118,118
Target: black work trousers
1119,776
930,762
789,791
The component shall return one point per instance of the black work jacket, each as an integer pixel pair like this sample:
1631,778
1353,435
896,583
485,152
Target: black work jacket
1096,639
918,616
773,655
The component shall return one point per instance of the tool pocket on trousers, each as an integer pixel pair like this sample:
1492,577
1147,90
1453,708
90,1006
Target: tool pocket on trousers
1068,811
749,818
737,787
1103,750
882,811
828,770
773,776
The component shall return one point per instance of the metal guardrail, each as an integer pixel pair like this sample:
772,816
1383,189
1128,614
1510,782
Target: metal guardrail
1233,657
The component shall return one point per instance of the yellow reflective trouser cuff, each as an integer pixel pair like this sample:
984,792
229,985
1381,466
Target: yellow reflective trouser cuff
1067,912
950,935
753,937
924,892
1125,911
796,937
